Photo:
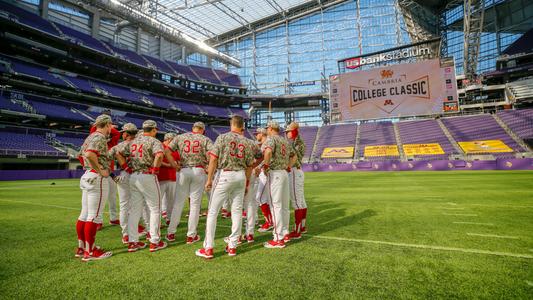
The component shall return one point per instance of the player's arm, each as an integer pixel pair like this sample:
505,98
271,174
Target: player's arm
267,154
92,157
213,162
171,161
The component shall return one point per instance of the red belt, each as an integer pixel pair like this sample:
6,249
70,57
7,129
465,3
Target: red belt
93,171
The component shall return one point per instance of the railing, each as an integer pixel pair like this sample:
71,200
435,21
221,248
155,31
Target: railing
32,152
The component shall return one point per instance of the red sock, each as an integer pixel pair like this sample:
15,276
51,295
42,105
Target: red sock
265,208
80,225
298,219
304,216
90,235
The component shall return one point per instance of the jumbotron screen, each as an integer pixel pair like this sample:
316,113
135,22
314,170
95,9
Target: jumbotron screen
421,88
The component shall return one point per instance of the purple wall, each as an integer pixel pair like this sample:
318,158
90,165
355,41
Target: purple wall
434,165
39,174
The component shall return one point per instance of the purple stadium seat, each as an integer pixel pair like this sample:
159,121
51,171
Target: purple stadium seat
83,39
27,18
424,132
374,134
335,136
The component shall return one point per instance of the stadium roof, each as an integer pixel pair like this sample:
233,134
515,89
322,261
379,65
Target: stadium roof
206,19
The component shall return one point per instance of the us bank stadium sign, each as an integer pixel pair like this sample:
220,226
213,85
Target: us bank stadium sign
426,49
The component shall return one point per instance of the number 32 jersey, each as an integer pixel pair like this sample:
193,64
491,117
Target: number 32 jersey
193,148
233,152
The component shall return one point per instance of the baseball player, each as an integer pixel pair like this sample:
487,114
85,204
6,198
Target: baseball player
296,180
250,203
129,131
112,140
167,180
276,153
146,154
192,147
261,189
95,189
233,158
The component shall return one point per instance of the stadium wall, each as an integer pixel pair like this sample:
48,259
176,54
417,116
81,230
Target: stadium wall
433,165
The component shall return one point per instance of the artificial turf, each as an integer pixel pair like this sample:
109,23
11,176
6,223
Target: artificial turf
372,235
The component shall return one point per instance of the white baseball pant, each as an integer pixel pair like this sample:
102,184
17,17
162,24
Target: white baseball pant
261,190
296,186
168,189
227,185
95,190
124,195
190,184
144,188
278,184
111,201
250,205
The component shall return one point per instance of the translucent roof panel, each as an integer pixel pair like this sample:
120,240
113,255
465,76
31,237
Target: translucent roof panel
205,19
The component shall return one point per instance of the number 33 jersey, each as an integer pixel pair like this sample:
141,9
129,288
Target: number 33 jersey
282,150
141,152
234,152
193,148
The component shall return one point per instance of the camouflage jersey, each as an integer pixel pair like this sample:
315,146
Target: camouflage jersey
142,151
193,148
299,149
282,150
119,148
233,151
96,142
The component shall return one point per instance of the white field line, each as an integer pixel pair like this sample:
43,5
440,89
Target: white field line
474,223
419,246
451,203
430,247
493,236
464,215
451,208
502,205
21,187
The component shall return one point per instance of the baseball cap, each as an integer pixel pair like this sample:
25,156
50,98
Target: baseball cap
169,135
199,124
149,124
102,120
129,127
292,126
273,125
260,130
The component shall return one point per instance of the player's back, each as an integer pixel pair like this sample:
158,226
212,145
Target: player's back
96,142
192,148
281,151
233,151
142,151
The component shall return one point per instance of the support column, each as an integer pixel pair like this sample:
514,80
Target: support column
95,23
161,39
183,55
138,43
209,61
43,8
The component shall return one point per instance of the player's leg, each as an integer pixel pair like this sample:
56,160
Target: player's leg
97,192
80,223
250,205
152,195
285,199
235,195
124,195
300,198
196,193
262,196
181,194
276,194
112,202
218,195
226,210
134,213
164,199
170,194
294,190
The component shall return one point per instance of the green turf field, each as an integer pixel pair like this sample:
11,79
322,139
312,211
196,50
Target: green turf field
371,236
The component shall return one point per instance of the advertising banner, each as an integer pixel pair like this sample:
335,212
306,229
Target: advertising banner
338,152
381,150
422,149
412,89
488,146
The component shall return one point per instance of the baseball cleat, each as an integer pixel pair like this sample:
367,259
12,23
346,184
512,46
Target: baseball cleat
134,246
226,214
249,238
141,230
79,253
156,247
125,239
147,236
170,237
207,254
114,222
286,238
164,215
265,227
191,240
99,227
231,251
274,244
295,235
226,240
97,254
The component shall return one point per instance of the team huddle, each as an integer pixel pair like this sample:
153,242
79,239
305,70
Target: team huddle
156,178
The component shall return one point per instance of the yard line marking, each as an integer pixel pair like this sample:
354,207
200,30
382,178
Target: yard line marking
47,205
465,215
502,205
422,246
493,235
474,223
451,208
